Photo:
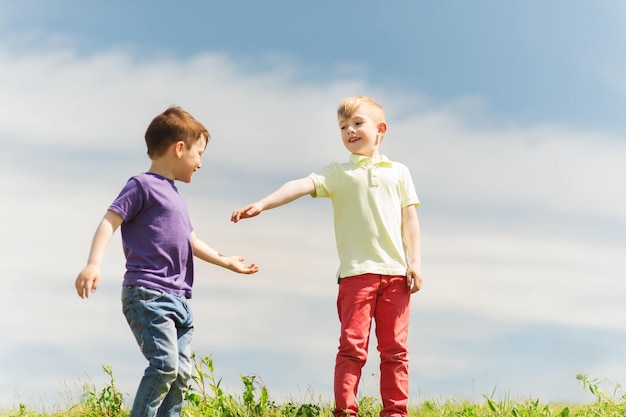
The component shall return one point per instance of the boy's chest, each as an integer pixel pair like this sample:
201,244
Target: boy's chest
367,179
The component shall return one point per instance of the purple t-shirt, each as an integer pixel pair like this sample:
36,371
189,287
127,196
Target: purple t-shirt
155,235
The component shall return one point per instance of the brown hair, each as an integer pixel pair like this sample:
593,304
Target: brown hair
171,126
349,105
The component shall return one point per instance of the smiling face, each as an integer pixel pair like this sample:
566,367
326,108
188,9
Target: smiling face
189,158
361,133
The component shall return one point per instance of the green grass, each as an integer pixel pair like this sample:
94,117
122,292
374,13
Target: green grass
206,398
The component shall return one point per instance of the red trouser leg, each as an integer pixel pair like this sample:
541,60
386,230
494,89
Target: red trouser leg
386,300
355,306
392,329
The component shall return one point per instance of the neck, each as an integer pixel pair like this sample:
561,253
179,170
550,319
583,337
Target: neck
374,156
160,169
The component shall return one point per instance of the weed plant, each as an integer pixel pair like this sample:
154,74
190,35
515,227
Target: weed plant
206,398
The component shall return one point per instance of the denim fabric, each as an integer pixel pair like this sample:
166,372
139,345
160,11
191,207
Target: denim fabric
163,326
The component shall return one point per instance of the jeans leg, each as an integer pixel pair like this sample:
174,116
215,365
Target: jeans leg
173,403
161,323
392,328
355,307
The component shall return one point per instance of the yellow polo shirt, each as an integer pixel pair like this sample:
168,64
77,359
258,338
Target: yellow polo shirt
367,201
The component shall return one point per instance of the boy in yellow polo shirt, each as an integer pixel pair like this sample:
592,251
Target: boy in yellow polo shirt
377,235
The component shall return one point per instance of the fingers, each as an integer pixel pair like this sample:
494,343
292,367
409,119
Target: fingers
414,283
417,285
82,290
247,269
239,266
80,287
85,286
244,213
250,269
239,214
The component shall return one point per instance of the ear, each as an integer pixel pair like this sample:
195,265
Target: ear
382,128
179,147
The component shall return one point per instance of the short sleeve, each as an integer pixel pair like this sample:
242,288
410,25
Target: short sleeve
130,200
409,195
323,181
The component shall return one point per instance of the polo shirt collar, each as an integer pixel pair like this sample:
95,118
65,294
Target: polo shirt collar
366,160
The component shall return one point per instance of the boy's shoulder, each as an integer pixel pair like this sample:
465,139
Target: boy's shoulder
357,162
150,178
148,183
383,161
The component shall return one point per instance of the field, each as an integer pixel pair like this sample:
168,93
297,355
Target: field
205,397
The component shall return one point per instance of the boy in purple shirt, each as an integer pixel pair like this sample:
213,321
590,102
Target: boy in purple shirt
159,245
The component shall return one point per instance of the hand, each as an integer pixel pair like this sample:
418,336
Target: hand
414,278
235,263
246,212
87,281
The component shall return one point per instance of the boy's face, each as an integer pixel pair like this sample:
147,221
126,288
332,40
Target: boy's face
189,159
361,134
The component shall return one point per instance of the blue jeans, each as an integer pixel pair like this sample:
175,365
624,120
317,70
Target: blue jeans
163,325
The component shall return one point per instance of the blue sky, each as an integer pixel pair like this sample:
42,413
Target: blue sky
531,61
510,117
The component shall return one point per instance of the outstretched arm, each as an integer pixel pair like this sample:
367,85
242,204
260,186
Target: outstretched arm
411,235
235,263
286,193
87,280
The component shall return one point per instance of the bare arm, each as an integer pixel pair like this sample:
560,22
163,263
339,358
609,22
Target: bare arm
286,193
88,278
411,235
235,263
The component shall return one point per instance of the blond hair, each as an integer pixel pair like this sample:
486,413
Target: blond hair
349,105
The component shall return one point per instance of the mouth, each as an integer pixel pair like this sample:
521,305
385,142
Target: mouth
353,139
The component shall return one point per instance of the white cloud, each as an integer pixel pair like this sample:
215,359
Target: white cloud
502,211
537,167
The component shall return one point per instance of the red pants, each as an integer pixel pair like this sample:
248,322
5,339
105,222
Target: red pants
385,299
